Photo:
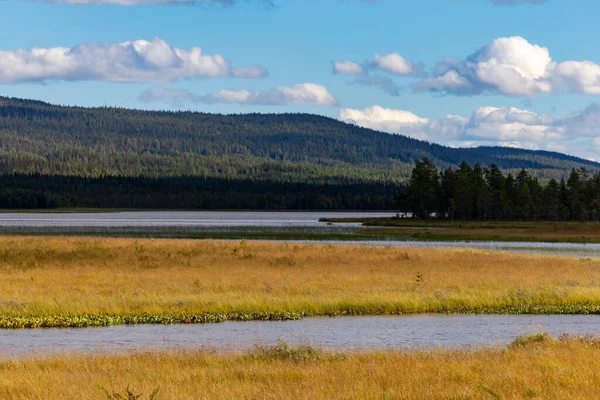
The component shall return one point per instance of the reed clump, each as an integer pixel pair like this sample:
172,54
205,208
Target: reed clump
529,340
284,351
81,282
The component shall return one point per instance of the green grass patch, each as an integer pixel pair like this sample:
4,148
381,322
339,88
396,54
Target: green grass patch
103,320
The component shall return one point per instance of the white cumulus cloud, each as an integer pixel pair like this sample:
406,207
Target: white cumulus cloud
511,124
512,66
135,61
500,126
579,76
395,64
305,94
348,68
385,119
392,63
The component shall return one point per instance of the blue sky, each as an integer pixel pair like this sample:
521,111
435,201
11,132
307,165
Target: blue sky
520,75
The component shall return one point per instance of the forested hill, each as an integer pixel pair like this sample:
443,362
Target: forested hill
43,139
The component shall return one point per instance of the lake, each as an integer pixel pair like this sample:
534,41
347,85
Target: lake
210,219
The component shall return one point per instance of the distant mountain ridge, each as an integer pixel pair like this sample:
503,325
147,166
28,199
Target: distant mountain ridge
40,138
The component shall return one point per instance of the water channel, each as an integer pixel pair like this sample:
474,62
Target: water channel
344,333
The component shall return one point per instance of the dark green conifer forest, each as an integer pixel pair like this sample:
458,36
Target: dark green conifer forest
54,156
486,194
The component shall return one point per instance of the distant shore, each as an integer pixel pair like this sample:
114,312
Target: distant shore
501,231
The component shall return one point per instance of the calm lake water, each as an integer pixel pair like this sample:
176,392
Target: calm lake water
179,219
345,333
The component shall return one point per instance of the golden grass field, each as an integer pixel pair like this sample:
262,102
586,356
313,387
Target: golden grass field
45,276
566,369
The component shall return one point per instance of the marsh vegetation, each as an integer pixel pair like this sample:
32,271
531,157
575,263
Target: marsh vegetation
532,367
48,282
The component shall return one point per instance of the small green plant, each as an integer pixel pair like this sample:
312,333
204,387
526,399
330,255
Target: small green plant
237,250
129,394
420,278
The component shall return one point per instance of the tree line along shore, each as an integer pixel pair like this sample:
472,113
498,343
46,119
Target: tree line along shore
477,193
467,193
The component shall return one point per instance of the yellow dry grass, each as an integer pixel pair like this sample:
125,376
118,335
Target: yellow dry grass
561,370
52,276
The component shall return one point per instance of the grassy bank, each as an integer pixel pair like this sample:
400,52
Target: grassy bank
551,232
535,367
47,282
373,229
